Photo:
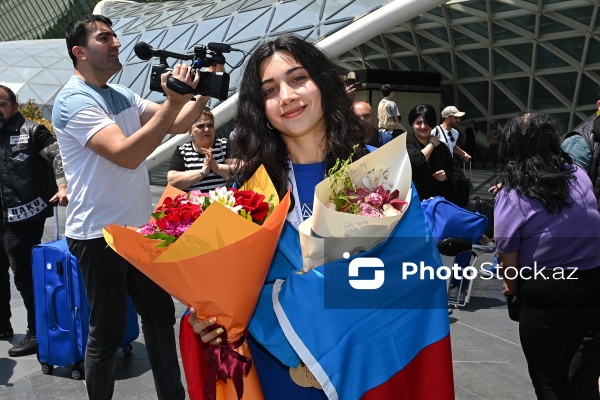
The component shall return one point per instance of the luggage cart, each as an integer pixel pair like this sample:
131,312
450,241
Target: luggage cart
459,290
459,234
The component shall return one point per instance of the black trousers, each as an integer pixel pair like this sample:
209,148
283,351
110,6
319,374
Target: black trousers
108,278
16,242
556,315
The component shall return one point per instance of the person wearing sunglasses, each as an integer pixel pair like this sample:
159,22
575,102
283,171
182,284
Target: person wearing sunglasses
446,132
203,163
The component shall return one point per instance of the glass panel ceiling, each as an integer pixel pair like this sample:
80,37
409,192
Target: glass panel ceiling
39,69
479,56
549,25
582,15
502,33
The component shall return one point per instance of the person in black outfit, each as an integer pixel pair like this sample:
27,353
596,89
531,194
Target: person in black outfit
28,152
431,163
470,144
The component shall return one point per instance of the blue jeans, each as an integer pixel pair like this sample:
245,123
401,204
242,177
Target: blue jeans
108,278
16,241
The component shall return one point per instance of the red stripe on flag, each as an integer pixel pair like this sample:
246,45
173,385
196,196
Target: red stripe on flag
428,376
193,359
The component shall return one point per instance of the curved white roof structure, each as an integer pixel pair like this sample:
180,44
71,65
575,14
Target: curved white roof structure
495,57
35,69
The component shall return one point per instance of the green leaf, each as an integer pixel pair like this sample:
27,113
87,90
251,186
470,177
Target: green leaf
165,239
157,216
340,182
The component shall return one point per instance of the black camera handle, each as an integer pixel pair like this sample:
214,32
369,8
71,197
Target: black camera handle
179,87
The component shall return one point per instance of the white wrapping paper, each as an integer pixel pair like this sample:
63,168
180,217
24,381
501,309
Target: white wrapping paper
360,233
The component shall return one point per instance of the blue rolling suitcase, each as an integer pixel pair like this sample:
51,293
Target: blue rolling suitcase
62,311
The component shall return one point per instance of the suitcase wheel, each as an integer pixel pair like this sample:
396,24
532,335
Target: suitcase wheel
76,372
127,348
47,369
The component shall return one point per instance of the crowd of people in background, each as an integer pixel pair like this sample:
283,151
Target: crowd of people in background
104,143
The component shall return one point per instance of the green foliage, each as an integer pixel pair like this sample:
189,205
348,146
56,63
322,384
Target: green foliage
31,111
166,238
342,187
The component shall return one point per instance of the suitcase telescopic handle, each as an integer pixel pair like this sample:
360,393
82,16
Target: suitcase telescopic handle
56,224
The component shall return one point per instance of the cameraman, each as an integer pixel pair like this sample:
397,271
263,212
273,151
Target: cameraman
105,133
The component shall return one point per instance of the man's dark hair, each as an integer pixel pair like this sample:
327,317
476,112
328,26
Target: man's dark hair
77,32
12,97
386,90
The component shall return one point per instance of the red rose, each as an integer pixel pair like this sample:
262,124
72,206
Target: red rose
253,203
177,212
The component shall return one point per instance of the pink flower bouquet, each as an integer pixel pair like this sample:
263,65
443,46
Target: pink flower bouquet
362,201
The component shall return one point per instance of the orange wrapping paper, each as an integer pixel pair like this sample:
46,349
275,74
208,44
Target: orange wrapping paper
217,266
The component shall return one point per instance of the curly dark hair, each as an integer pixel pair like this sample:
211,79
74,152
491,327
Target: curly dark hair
261,145
532,161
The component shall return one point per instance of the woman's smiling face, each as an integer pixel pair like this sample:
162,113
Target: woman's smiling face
292,99
421,128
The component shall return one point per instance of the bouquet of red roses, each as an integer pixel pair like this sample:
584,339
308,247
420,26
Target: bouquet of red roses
176,214
202,260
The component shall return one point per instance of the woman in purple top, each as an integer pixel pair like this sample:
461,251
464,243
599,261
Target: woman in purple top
547,231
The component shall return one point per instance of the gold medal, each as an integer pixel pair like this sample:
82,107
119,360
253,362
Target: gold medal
313,381
298,375
302,377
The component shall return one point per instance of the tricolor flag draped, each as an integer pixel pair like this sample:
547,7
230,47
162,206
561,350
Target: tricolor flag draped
386,343
389,343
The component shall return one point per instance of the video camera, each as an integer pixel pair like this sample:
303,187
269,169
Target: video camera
213,84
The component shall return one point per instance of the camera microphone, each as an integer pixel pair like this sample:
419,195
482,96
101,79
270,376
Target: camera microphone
145,52
219,47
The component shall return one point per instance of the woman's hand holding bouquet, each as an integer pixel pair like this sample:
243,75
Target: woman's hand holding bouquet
196,248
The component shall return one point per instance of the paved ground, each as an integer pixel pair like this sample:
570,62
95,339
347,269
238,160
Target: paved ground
487,356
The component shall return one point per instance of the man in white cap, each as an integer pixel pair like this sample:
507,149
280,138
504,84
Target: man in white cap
447,133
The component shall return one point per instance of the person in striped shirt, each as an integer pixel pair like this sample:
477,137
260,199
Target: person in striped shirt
203,163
